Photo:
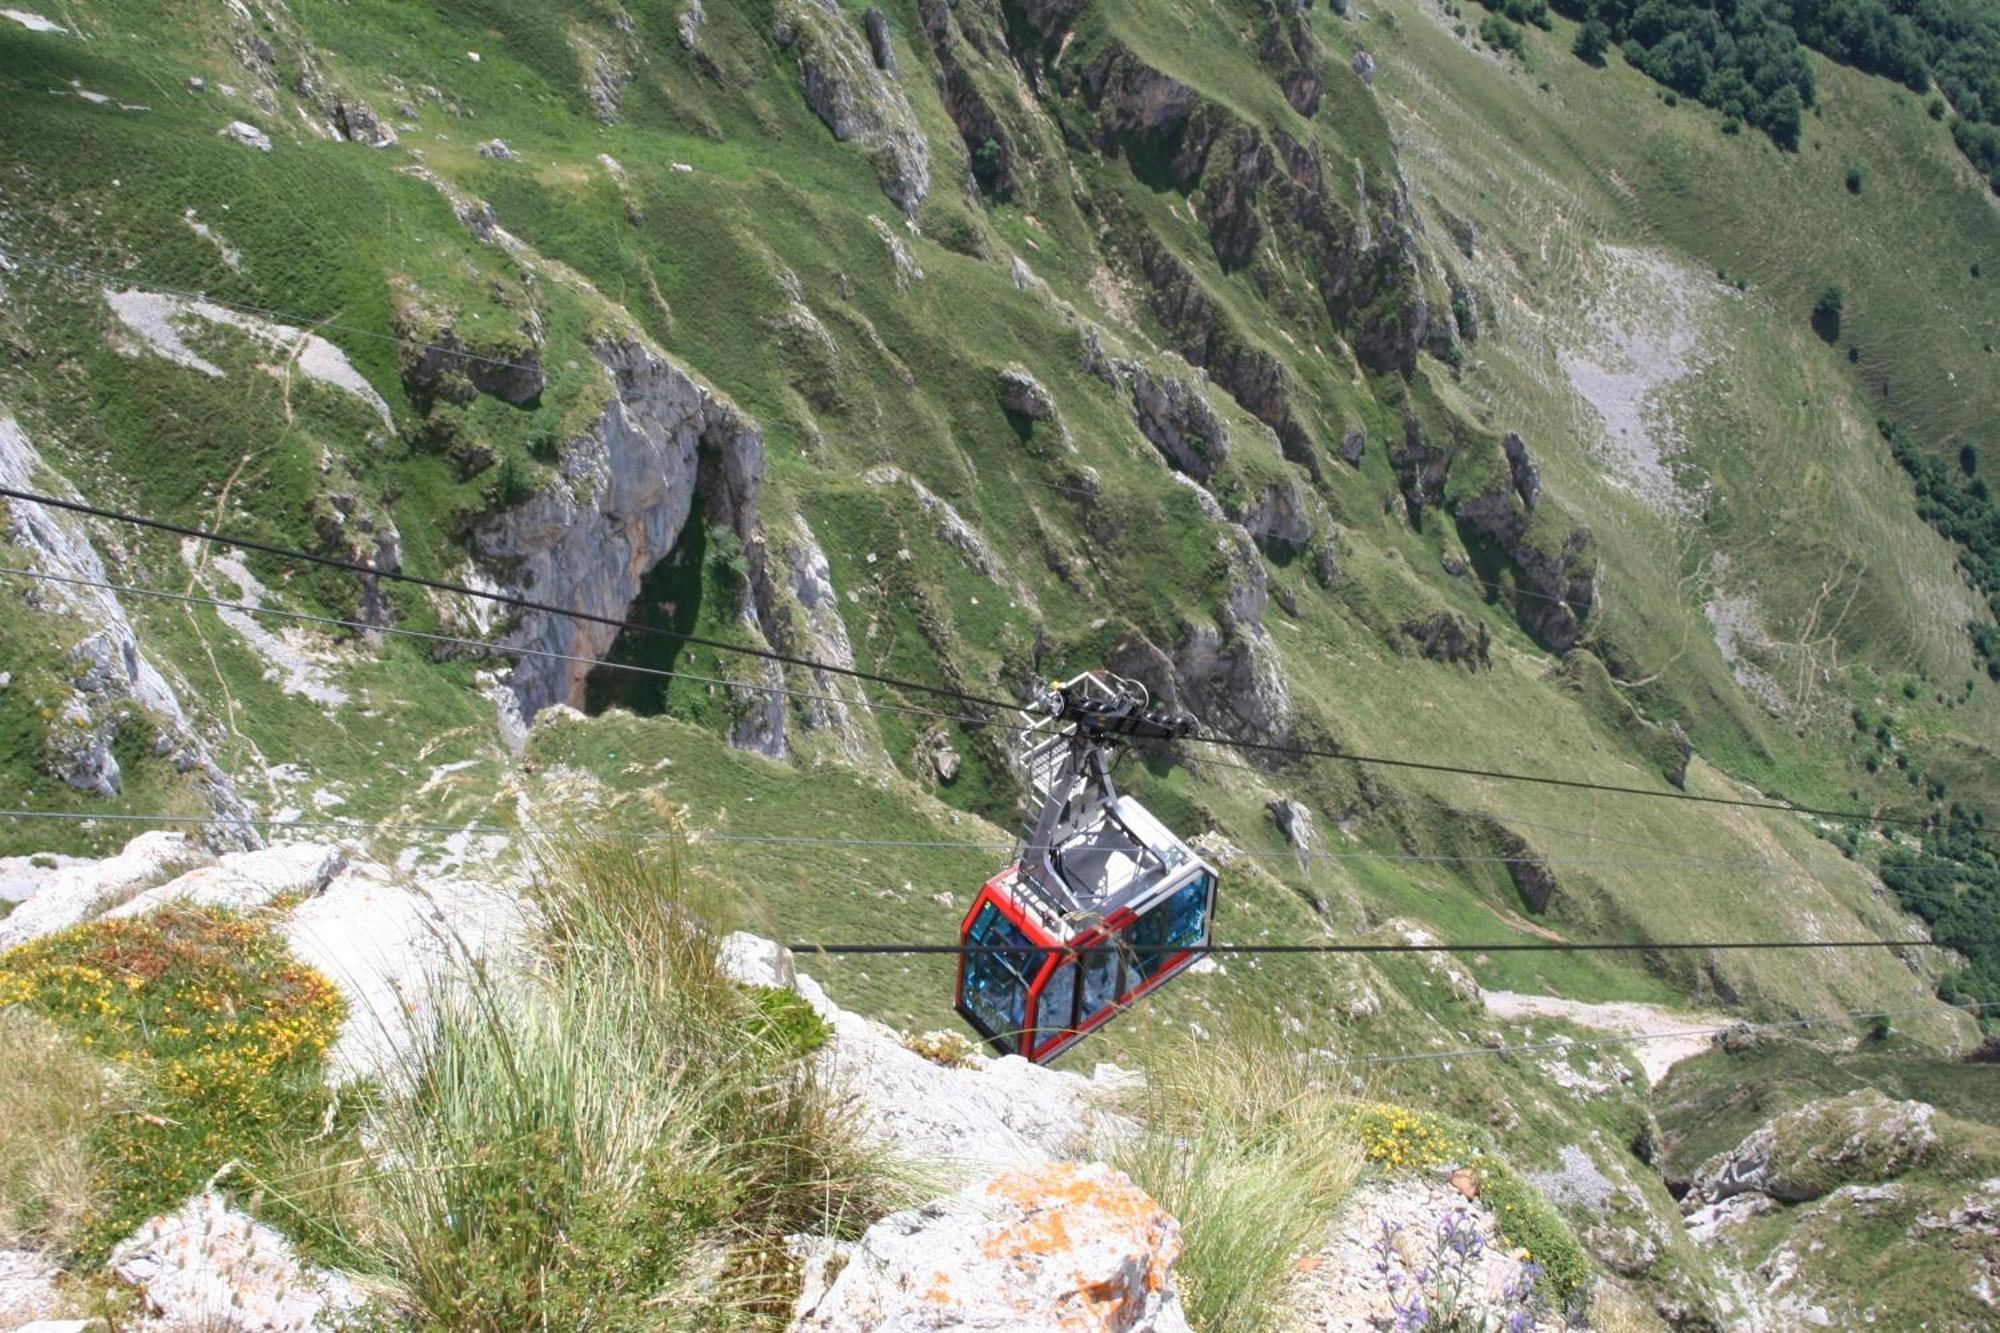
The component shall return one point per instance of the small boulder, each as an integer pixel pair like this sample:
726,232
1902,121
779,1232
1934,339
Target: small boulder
496,149
1364,65
878,41
210,1265
1295,821
1063,1245
246,134
1022,393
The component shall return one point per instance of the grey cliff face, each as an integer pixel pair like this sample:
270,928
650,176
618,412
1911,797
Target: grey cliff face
860,102
112,680
625,492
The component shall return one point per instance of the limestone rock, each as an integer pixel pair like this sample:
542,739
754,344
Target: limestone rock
859,102
878,40
496,149
247,134
1521,466
1806,1153
241,881
386,944
1175,416
71,893
623,494
1295,821
1048,1247
209,1265
905,266
113,684
1280,516
990,1114
1364,67
28,1286
1022,393
358,123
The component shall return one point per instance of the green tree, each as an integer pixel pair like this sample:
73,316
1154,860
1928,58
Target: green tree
1591,41
1826,312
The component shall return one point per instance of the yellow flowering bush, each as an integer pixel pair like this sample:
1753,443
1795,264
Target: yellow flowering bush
1396,1136
223,1032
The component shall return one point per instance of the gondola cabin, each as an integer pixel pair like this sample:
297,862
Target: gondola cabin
1104,906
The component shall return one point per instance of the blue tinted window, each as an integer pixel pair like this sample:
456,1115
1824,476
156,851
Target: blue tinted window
996,984
1053,1015
1176,924
1100,982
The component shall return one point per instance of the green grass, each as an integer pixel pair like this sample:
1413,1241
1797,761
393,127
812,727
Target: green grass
573,1142
1252,1157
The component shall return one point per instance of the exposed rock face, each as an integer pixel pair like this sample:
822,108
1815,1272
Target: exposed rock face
907,271
69,893
1059,1246
878,40
113,685
357,122
624,492
858,101
209,1265
439,365
243,881
1226,673
989,147
386,944
1806,1153
1176,417
802,613
1280,517
986,1114
1021,392
1444,637
1521,465
1295,821
1289,48
246,134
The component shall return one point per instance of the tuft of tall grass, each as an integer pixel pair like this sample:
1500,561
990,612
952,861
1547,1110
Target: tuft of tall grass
1241,1144
614,1135
53,1095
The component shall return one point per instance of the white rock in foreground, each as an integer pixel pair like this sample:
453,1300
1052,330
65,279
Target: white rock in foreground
72,892
207,1265
992,1114
243,881
1057,1246
386,945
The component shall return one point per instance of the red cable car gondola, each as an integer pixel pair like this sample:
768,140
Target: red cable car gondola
1105,903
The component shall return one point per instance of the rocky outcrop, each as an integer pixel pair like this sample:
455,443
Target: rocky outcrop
978,1116
1279,517
1225,672
436,363
1175,416
1806,1153
210,1265
859,102
112,687
623,493
388,945
1023,394
1058,1246
65,894
801,612
1445,637
991,155
1295,821
1521,467
1288,47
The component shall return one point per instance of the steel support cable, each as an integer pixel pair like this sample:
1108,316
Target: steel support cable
502,598
979,701
1561,1044
1330,947
491,649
